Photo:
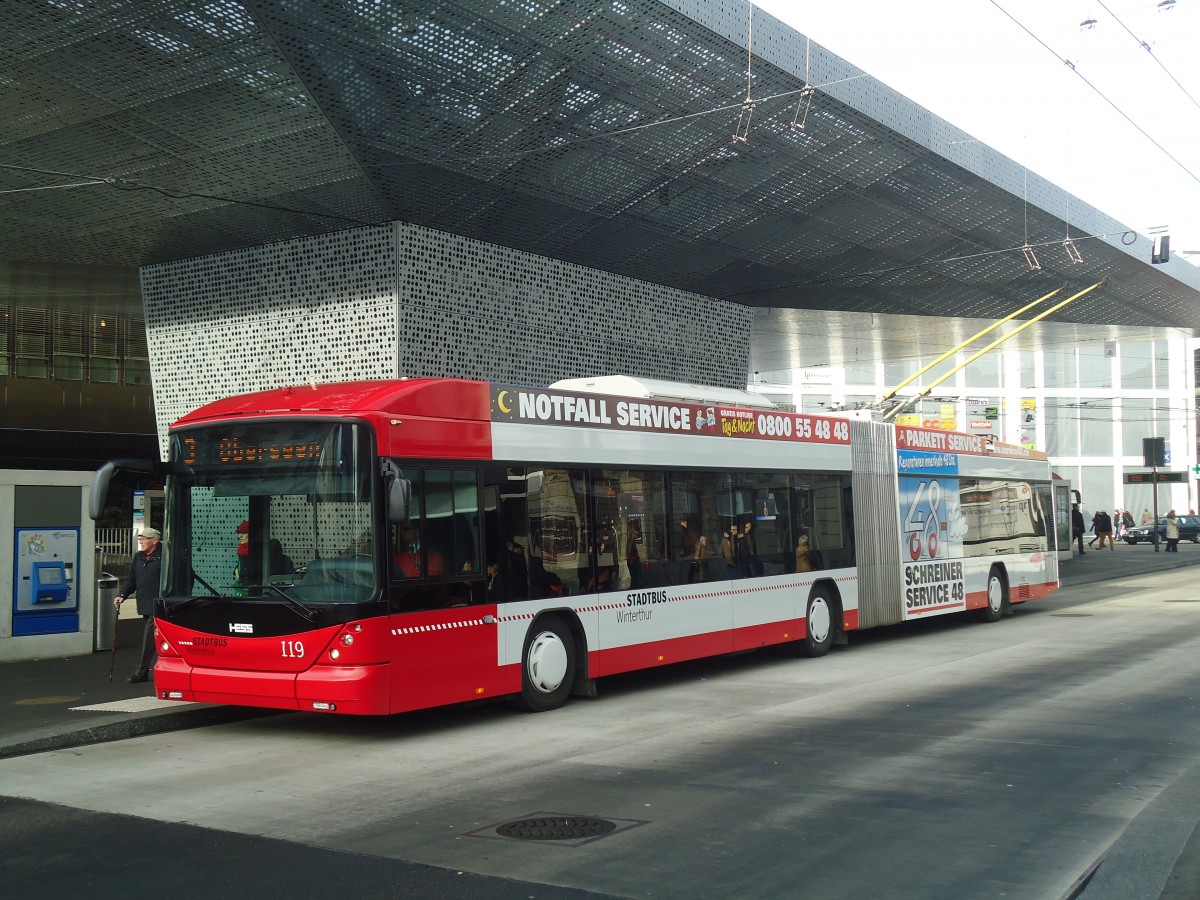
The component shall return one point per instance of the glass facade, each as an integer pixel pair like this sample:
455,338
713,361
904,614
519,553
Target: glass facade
67,345
1088,407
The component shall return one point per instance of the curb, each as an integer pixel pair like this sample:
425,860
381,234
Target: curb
135,727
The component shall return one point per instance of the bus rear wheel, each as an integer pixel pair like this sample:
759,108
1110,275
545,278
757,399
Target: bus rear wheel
997,598
820,622
547,665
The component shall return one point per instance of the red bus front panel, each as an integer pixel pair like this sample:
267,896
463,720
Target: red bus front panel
340,668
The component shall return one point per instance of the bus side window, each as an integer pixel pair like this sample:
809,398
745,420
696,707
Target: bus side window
557,529
407,551
506,539
451,526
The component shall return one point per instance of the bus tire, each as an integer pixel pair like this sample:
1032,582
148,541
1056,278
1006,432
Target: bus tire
547,665
820,623
997,597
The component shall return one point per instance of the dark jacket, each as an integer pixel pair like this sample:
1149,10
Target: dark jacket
1076,523
143,579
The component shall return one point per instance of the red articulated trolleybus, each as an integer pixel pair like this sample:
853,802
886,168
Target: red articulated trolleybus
381,546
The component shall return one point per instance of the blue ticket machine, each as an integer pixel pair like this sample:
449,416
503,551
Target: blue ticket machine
49,582
46,599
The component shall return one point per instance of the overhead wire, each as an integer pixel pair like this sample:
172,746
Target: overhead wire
129,184
1146,46
917,265
1098,92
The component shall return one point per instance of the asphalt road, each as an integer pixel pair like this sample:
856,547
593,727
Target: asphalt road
941,760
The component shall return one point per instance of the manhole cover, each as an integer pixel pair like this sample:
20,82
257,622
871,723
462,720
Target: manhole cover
556,828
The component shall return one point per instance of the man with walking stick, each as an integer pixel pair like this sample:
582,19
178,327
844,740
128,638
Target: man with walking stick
143,583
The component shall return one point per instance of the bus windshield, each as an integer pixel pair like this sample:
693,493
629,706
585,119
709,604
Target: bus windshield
272,509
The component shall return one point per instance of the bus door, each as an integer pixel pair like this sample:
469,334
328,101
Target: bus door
442,629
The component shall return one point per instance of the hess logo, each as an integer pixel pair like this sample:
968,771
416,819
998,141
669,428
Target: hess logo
241,628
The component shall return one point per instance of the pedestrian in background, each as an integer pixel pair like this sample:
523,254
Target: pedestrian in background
1077,526
1172,532
142,582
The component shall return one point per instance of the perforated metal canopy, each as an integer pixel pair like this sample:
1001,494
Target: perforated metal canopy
609,133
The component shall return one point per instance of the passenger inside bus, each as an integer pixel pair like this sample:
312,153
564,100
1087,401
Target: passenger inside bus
748,563
413,560
729,551
543,583
807,559
601,563
517,577
280,563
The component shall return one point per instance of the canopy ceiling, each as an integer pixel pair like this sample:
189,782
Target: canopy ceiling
610,133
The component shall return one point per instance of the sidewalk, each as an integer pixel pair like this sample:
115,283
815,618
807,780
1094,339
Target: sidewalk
51,704
1125,561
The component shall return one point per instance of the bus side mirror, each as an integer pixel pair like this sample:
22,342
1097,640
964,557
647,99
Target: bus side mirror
397,492
103,476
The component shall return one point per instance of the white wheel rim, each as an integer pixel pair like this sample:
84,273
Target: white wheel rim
547,662
819,620
995,594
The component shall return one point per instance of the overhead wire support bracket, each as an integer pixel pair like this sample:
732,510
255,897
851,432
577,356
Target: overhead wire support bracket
741,134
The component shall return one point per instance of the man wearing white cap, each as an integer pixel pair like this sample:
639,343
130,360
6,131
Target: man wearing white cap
142,582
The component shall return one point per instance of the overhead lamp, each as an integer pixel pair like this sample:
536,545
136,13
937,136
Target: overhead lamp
1073,253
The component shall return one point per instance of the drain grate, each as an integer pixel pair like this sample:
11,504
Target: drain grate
556,828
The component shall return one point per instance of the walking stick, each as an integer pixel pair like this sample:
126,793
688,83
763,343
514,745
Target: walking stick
113,659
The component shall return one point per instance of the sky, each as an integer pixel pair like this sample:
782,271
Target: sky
1128,144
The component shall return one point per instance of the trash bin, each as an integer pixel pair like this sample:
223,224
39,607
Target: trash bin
106,613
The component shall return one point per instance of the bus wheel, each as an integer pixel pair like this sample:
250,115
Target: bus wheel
997,598
547,665
819,624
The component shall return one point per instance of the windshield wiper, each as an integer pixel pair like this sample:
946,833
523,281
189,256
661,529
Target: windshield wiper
174,608
305,612
212,590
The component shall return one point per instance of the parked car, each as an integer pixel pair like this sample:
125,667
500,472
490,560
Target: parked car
1189,530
